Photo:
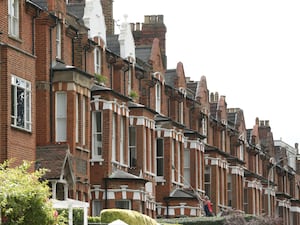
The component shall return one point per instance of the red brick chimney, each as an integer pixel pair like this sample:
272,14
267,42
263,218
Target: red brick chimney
107,7
153,27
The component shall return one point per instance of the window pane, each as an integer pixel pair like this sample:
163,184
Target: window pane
159,157
96,208
20,107
160,147
20,103
97,134
123,204
98,122
61,116
132,136
13,102
160,167
133,157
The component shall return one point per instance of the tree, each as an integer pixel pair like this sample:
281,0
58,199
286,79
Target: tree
24,196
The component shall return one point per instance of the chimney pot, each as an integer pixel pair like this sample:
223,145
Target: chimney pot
137,26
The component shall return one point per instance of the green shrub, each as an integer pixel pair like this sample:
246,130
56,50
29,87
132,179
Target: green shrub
130,217
95,219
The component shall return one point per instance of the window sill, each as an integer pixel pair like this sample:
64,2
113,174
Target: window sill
15,38
21,129
96,160
160,180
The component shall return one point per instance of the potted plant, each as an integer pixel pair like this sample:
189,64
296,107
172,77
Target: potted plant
133,94
101,79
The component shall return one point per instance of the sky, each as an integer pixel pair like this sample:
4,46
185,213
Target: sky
249,51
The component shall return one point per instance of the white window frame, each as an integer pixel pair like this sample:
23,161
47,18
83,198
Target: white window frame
149,144
83,120
13,17
21,114
122,140
242,152
77,118
96,206
132,146
178,162
181,112
223,140
61,116
113,158
173,159
204,128
160,157
158,97
97,60
129,80
187,168
207,183
58,41
96,155
145,150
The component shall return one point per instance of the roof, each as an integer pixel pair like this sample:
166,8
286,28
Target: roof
41,3
120,174
113,44
182,193
170,76
143,52
53,158
76,9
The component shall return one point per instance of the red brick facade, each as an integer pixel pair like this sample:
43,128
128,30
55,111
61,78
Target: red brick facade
158,152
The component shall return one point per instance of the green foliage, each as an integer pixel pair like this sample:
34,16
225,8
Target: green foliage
95,219
100,78
62,217
24,198
130,217
133,94
77,216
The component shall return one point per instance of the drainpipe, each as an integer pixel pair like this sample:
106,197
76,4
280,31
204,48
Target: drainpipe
167,202
105,193
85,53
125,69
51,80
73,61
111,61
33,30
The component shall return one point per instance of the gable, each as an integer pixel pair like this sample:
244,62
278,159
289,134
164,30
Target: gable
94,19
155,58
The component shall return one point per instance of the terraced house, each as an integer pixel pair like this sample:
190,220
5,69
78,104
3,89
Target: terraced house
117,129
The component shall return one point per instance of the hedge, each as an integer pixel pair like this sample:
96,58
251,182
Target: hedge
130,217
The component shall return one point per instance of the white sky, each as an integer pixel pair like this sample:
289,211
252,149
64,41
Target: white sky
249,51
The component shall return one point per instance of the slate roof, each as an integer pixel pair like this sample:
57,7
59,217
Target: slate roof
113,43
52,157
232,118
76,9
181,193
120,174
170,76
41,3
143,52
191,89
